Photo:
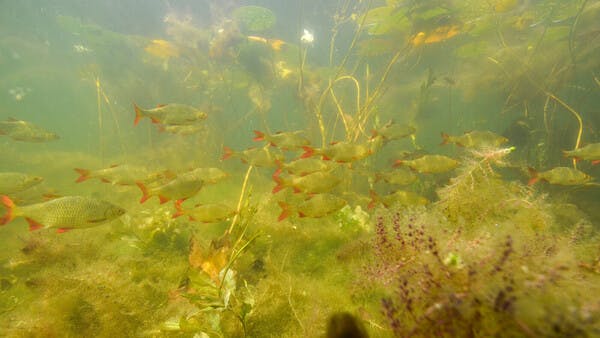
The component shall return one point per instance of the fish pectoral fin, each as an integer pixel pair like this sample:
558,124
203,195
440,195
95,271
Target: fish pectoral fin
63,230
33,225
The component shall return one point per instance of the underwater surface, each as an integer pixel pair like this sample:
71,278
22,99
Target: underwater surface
346,168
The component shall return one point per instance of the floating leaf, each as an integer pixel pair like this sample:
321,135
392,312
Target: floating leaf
386,20
254,18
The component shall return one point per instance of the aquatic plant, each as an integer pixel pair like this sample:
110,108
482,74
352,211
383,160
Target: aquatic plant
440,281
478,195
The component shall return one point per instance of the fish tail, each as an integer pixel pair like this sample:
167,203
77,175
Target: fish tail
145,193
534,176
179,211
138,114
285,211
445,139
10,210
276,44
277,180
279,165
374,134
260,136
374,199
308,152
84,174
228,152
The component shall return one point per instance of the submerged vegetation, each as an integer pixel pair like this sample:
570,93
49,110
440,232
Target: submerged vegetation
348,212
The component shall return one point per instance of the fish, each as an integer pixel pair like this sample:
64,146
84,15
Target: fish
317,182
429,164
560,176
305,166
315,206
342,152
182,187
275,44
170,114
25,131
400,176
590,152
63,213
476,139
207,213
210,175
394,131
183,130
437,35
13,182
402,197
115,174
283,140
162,49
257,157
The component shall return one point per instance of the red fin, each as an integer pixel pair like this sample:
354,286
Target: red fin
138,114
277,188
297,190
534,176
63,230
326,158
279,164
301,214
445,139
180,213
160,105
145,195
276,174
374,134
308,152
178,203
155,120
163,199
33,225
227,153
278,180
374,198
10,207
84,174
397,163
105,180
594,162
50,196
285,211
260,136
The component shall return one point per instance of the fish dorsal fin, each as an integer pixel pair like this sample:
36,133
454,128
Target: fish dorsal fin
12,119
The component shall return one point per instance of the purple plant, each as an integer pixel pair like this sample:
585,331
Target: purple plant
430,292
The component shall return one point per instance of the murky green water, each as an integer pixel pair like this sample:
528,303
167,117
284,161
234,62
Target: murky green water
379,168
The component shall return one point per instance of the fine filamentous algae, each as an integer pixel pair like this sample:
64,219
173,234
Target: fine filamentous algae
300,168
